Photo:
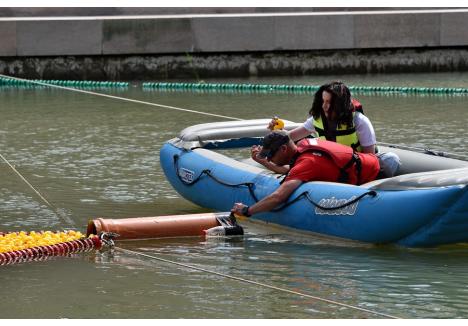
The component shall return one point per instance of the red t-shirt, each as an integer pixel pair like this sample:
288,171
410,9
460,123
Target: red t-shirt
314,167
320,167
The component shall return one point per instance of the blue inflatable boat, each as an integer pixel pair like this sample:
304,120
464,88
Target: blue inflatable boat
426,204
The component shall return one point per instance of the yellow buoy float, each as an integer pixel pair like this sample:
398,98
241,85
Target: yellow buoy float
24,240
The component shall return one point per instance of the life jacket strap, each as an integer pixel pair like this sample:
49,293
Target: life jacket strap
356,146
344,175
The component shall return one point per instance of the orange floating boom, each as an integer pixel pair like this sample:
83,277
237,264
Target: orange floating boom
157,226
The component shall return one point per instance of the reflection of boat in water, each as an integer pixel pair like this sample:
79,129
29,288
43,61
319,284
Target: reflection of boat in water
426,204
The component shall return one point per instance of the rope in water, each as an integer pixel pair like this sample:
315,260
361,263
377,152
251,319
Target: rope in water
59,213
256,283
301,88
122,98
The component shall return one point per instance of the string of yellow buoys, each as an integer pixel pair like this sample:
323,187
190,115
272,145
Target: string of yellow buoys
24,240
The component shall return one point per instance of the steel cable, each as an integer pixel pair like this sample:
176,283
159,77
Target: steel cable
257,283
124,98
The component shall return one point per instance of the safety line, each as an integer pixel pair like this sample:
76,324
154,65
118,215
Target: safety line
299,88
257,283
124,98
57,212
26,181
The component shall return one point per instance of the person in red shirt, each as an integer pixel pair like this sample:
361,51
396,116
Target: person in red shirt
310,160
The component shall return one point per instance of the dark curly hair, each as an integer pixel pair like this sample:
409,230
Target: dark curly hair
340,104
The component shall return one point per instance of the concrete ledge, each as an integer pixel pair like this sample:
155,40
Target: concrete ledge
77,37
147,36
233,34
454,29
322,32
140,35
391,31
8,38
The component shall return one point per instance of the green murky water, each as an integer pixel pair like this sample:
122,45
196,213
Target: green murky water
98,157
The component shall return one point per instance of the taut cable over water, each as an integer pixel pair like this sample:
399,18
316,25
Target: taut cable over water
57,211
123,98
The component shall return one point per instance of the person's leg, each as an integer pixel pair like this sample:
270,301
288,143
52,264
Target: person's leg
389,164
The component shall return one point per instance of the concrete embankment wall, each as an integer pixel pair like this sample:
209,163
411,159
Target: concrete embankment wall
204,45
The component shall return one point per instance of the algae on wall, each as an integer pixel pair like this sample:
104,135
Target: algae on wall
197,66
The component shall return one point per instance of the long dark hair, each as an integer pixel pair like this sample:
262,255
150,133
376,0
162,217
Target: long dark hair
340,103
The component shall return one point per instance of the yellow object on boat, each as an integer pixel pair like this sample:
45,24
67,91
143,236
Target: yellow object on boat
279,124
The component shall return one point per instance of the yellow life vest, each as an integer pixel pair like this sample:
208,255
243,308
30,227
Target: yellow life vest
342,134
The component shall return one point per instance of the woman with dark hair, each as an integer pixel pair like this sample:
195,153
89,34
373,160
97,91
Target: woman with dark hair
334,117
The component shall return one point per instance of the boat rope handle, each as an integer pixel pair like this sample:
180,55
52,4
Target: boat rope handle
256,283
207,172
250,186
121,98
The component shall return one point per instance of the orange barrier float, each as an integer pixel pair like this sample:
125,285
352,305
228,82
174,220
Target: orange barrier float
18,247
163,226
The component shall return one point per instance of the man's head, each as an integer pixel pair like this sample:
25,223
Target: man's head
277,147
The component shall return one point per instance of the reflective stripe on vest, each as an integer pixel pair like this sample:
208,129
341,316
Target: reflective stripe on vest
342,134
355,168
